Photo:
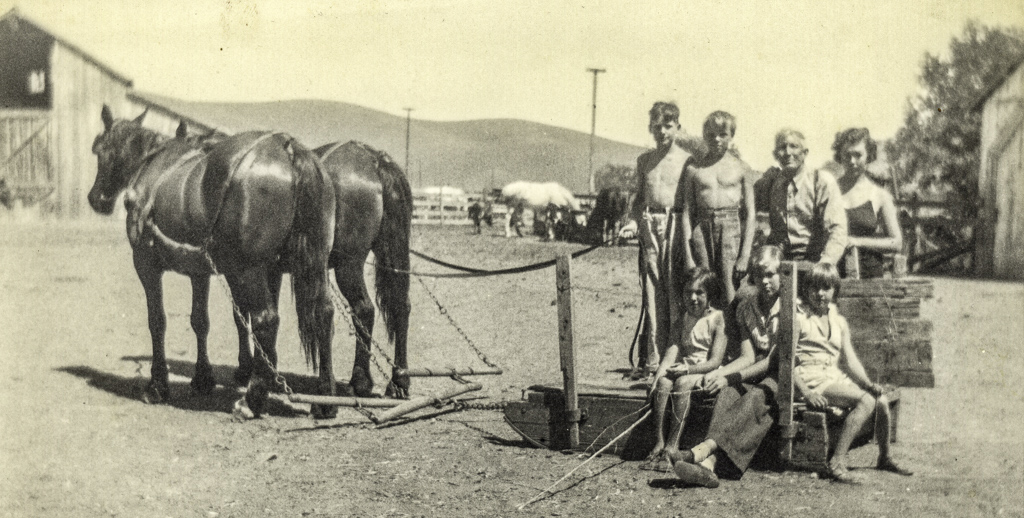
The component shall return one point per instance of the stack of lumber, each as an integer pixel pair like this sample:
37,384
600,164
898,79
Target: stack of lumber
892,340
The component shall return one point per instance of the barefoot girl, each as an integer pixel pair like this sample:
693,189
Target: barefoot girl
696,350
828,372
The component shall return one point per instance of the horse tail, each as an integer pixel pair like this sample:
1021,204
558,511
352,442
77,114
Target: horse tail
310,245
391,247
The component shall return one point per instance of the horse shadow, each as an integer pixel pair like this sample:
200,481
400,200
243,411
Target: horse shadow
221,399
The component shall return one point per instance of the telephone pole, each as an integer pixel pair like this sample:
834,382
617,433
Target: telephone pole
593,127
408,124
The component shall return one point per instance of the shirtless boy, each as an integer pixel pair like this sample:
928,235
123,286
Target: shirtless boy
658,172
717,188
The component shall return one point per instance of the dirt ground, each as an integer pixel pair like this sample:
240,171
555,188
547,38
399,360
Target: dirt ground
78,441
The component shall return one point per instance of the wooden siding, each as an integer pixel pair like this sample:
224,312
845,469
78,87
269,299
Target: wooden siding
80,90
25,150
1000,244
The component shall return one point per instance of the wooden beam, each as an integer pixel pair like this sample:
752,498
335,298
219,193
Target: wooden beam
368,402
424,372
566,346
787,338
415,404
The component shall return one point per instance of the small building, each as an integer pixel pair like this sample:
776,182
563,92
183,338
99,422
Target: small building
999,247
51,94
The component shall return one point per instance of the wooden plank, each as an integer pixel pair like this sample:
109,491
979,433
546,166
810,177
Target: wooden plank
882,328
530,420
626,391
923,379
871,308
907,287
566,346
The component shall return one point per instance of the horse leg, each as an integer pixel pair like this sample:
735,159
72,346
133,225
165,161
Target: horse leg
320,309
399,386
251,294
244,370
158,390
349,275
274,278
202,380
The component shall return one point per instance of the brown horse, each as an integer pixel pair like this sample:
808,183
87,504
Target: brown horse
374,212
253,207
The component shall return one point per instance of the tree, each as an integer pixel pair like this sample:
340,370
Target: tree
939,144
613,175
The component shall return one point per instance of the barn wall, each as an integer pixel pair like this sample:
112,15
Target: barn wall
1000,245
80,90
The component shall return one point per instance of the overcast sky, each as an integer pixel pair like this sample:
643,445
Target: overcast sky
818,66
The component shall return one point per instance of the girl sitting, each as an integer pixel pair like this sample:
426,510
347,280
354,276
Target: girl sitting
828,372
697,347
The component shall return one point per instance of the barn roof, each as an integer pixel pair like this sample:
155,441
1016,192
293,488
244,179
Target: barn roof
979,104
154,105
15,13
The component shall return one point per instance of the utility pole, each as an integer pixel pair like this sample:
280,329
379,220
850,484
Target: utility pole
408,124
593,127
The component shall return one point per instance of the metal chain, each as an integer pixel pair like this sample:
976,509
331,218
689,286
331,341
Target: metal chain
493,406
352,321
444,311
278,378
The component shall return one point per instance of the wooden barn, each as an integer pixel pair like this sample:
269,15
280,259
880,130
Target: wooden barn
51,94
999,247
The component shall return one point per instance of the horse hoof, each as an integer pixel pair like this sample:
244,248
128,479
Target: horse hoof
156,394
256,398
361,391
361,383
241,412
241,377
396,392
323,411
398,388
202,386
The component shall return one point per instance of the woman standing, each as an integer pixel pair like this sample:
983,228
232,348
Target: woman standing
873,222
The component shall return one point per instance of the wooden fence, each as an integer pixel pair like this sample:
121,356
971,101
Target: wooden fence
937,234
453,209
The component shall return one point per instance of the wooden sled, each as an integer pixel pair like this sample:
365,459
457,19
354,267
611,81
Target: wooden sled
892,341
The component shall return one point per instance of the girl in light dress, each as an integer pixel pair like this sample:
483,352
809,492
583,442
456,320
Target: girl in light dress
697,348
828,372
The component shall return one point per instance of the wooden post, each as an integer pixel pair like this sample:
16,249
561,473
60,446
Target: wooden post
566,346
899,266
787,338
852,263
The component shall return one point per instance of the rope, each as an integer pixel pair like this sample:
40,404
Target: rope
548,491
476,272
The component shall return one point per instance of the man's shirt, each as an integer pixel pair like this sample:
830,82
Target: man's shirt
806,215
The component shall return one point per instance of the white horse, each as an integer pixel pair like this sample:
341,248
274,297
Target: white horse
534,197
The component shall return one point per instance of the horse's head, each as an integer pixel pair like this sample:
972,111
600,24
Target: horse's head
119,151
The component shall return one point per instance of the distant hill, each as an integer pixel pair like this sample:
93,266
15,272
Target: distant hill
474,155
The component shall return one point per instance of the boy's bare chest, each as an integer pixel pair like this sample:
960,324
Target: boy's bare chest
722,174
667,170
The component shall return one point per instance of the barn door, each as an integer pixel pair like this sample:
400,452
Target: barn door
25,155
